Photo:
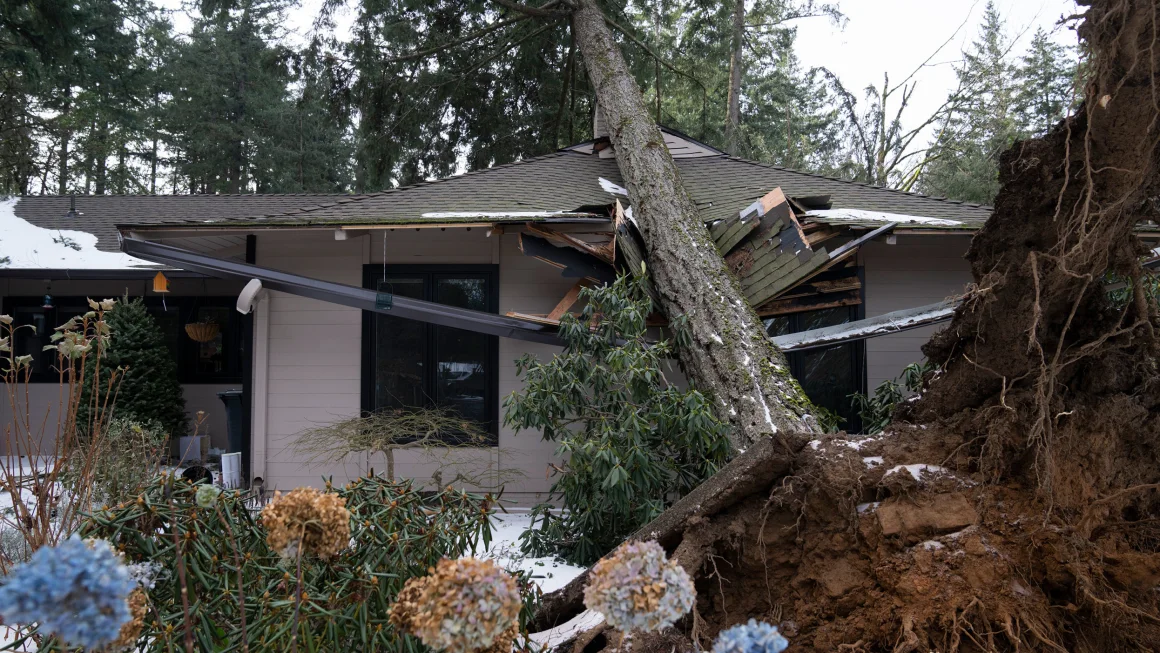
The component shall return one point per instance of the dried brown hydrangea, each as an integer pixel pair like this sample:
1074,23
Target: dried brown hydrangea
138,607
316,522
463,606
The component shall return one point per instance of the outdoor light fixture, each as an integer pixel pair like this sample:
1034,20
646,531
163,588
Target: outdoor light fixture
47,302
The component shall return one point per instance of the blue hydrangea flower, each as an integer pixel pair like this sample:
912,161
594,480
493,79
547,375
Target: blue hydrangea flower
753,637
637,587
77,591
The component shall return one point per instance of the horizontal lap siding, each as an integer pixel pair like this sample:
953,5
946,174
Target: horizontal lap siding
315,353
918,270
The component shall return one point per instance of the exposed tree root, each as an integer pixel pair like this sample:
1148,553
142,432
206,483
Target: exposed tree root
1029,516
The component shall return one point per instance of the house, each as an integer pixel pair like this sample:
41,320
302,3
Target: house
508,246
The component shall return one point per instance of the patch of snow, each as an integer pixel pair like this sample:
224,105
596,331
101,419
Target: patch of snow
553,637
25,245
814,444
918,470
549,573
932,545
858,215
716,338
872,461
612,188
856,445
501,214
868,507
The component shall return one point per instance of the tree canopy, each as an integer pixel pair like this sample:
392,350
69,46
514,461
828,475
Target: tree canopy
107,96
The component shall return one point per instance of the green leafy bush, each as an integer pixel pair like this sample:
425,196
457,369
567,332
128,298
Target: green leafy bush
149,391
123,460
218,551
877,411
634,443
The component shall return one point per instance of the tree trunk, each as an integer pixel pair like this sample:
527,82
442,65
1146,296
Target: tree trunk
731,357
733,117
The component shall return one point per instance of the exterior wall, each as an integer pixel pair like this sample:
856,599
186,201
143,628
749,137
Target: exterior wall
314,353
44,398
917,270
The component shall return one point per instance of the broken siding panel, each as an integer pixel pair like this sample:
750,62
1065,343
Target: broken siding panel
918,270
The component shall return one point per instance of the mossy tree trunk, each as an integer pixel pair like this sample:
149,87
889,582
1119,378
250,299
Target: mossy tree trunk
731,357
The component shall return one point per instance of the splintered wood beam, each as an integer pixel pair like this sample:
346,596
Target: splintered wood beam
561,239
818,236
571,262
804,303
568,300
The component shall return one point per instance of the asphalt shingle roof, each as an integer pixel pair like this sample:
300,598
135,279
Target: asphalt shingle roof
561,181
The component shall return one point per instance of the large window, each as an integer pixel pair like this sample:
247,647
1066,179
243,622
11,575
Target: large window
217,361
411,364
828,375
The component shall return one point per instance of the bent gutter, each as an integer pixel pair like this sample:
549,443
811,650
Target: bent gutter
342,294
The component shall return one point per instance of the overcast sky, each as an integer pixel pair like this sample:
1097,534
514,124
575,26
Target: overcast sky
897,36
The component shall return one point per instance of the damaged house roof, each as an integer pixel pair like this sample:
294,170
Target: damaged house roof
571,184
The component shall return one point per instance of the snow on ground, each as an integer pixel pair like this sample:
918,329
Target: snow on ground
25,245
549,573
858,215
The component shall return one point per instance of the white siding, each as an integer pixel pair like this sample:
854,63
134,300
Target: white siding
918,270
315,351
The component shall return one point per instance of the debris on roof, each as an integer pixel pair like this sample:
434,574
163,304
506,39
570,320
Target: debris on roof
860,217
24,245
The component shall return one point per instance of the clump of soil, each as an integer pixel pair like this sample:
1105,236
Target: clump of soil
1015,505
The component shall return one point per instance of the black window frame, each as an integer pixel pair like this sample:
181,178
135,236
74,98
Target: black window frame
373,273
184,306
796,359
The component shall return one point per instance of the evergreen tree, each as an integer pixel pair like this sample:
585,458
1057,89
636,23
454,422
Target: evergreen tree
149,392
1046,79
971,139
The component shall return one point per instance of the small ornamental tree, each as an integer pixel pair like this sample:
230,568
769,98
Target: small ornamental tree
633,442
149,392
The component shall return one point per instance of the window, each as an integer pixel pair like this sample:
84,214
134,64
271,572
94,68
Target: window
828,375
217,361
410,364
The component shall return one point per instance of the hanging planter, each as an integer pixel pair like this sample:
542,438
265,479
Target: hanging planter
202,331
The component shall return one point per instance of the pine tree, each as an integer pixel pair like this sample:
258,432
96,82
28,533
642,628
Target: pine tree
1046,77
149,391
971,139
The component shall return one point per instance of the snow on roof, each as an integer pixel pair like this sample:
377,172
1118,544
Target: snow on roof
25,245
859,216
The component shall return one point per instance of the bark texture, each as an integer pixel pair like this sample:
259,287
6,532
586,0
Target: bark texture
731,357
733,115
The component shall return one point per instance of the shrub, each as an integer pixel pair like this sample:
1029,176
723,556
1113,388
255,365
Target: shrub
125,459
877,411
220,554
47,472
149,392
633,441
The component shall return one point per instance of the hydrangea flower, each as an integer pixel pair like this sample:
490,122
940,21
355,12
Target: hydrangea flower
463,606
638,588
207,495
318,522
77,591
753,637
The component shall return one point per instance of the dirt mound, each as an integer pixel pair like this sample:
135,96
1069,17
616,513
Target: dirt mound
1014,506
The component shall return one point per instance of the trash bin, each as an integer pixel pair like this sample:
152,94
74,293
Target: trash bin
233,401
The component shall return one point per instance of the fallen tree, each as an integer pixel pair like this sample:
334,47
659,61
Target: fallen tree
731,358
1014,505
